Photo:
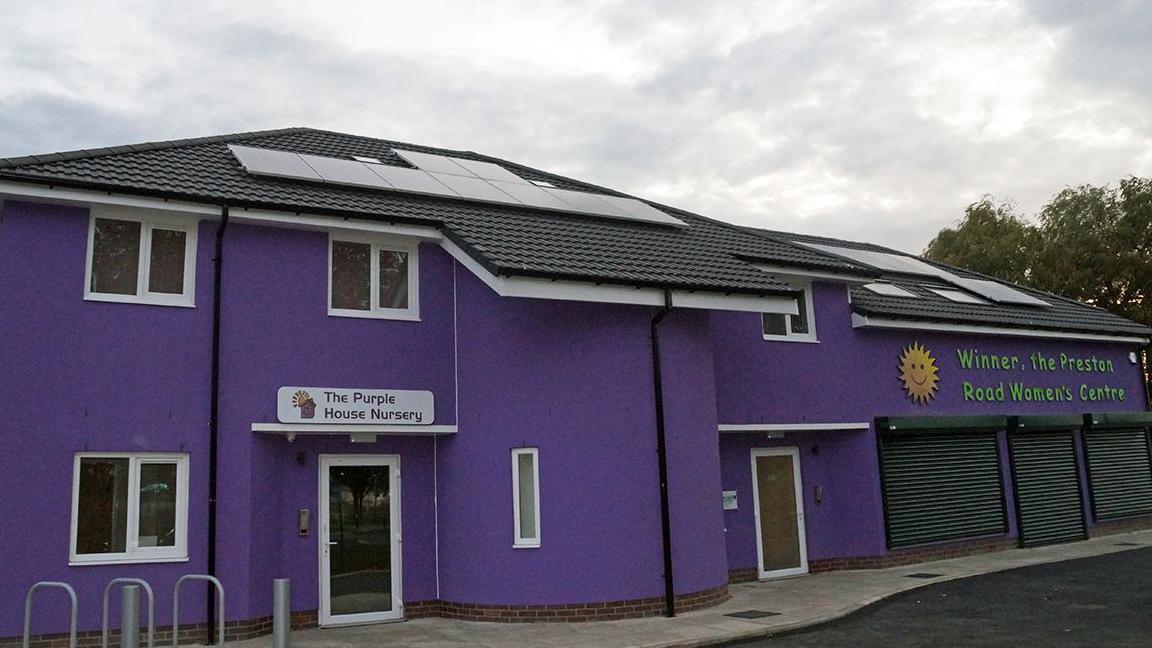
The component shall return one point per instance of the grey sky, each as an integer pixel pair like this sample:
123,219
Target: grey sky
870,119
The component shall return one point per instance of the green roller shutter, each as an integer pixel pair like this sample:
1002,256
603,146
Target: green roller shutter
1119,474
941,486
1049,502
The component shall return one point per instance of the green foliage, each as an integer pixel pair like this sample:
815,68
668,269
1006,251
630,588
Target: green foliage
1091,244
990,239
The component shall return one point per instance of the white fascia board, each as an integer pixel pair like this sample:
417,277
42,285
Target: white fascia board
791,427
540,288
10,190
801,273
864,321
305,428
330,223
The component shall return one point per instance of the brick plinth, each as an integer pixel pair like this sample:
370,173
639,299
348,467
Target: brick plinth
1111,527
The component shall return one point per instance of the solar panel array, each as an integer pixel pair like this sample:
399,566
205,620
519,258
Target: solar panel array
440,175
991,290
889,290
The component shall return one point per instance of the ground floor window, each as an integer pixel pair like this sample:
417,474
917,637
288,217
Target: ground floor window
129,507
526,497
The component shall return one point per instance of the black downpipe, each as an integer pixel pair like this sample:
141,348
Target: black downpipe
662,457
214,420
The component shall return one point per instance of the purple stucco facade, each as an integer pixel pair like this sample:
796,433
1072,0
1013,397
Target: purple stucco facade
572,379
851,376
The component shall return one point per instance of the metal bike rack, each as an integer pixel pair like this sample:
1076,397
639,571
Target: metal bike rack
176,607
28,611
151,609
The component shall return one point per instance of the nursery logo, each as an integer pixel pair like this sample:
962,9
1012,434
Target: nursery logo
303,400
918,373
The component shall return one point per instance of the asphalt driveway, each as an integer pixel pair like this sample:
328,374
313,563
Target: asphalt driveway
1100,601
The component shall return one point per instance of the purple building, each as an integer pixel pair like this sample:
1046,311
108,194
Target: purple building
427,382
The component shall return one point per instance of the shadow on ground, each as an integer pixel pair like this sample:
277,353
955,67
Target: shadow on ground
1099,601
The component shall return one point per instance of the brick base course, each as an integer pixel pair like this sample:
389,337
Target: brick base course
189,633
565,613
260,626
1111,527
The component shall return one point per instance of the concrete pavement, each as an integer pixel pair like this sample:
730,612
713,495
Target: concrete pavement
797,603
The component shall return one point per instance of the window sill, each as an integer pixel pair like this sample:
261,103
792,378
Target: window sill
400,316
535,545
785,338
179,302
126,560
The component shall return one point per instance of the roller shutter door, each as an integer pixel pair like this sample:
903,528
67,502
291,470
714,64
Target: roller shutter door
1046,476
941,486
1119,474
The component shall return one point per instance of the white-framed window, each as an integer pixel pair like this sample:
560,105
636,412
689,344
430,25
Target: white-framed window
793,328
526,497
140,258
373,277
129,508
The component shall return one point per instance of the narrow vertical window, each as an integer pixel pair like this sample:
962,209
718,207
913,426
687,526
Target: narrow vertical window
138,259
526,497
372,278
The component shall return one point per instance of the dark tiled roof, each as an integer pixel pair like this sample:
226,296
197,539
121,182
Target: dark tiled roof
1063,314
706,255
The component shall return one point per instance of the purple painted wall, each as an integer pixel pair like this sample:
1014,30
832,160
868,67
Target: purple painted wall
276,332
851,375
575,381
88,376
572,379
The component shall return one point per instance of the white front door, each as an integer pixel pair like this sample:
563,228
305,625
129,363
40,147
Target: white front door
778,500
359,539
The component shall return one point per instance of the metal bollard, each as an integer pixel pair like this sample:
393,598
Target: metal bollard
281,613
130,616
151,609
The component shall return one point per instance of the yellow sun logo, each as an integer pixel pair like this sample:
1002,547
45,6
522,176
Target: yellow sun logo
918,373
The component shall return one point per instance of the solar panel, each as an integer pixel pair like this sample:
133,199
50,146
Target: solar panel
890,290
587,203
641,210
278,164
474,188
532,196
345,172
883,260
413,180
958,296
433,163
997,291
489,171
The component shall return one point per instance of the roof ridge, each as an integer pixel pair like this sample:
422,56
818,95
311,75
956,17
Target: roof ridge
7,163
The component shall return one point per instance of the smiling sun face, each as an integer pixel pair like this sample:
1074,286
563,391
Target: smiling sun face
918,373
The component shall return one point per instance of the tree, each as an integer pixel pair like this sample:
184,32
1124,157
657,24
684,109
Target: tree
1092,244
989,239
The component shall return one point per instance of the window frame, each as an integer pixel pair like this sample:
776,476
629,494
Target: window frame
810,312
133,553
148,223
378,243
519,541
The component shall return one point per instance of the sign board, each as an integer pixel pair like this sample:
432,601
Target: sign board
730,500
326,405
1040,376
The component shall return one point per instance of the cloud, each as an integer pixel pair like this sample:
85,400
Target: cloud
878,120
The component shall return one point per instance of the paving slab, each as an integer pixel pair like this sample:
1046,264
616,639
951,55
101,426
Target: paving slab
799,602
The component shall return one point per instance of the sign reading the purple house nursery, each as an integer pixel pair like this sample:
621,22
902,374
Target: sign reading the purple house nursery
326,405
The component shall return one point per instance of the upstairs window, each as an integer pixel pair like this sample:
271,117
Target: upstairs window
793,328
138,259
372,278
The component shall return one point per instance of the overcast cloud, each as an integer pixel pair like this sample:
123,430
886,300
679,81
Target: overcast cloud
871,119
